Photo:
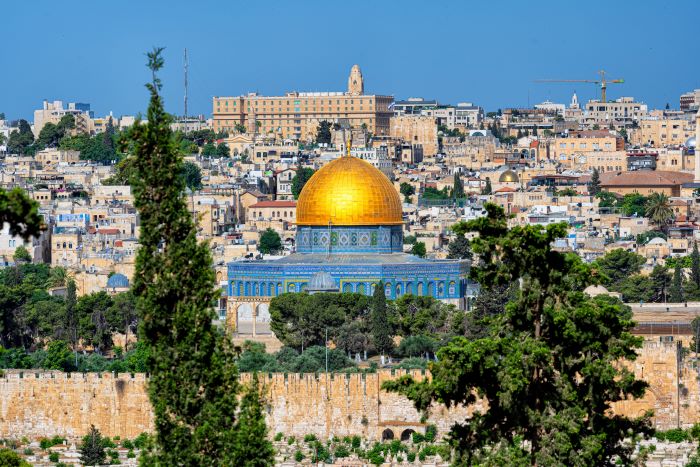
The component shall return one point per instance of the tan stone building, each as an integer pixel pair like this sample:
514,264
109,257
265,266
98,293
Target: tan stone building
49,157
660,132
297,114
417,130
567,150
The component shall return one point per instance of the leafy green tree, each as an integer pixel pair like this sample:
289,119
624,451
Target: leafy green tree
21,140
21,213
459,248
122,315
594,186
323,133
415,315
636,288
618,264
458,187
58,356
418,249
9,458
607,199
303,174
490,303
125,173
192,176
633,204
209,149
407,190
381,328
21,254
416,346
270,242
300,320
194,384
94,328
548,369
252,443
487,190
92,449
675,294
695,264
223,150
658,209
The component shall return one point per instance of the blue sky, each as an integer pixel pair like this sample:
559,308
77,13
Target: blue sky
488,53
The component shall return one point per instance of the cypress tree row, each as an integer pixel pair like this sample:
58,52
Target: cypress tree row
194,382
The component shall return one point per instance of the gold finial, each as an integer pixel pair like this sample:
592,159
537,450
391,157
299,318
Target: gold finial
347,147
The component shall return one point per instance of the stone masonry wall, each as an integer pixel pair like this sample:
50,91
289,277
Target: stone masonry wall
53,403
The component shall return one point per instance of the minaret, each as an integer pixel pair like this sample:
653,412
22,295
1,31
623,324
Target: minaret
356,85
697,156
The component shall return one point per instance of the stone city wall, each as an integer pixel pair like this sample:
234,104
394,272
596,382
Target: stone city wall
52,403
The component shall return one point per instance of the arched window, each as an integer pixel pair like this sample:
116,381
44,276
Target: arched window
420,289
292,287
453,288
247,289
398,290
387,289
361,289
387,435
347,287
441,289
407,434
431,289
255,289
409,288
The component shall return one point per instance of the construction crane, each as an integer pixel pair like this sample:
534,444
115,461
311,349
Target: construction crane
602,81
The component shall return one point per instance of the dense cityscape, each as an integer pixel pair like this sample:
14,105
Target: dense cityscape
341,277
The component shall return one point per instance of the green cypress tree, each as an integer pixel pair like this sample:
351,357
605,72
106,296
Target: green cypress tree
194,380
92,450
252,443
458,187
381,329
695,264
676,291
594,187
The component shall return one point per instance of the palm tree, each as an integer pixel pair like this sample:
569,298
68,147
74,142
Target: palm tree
658,209
57,278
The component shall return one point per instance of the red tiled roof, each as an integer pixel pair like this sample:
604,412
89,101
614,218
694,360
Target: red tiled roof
274,204
506,189
644,178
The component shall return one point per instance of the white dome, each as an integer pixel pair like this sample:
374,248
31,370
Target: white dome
691,142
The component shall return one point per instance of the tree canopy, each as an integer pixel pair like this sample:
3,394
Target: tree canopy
303,174
194,380
548,367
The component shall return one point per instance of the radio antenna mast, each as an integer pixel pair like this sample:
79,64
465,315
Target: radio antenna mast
185,88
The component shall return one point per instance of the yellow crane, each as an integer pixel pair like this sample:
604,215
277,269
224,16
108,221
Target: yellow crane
602,81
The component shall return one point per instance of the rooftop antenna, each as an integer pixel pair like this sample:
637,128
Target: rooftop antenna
185,88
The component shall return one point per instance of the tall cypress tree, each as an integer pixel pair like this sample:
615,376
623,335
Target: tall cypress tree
458,187
594,187
381,329
676,291
251,432
695,264
194,382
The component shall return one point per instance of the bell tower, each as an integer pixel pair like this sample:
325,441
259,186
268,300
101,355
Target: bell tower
356,86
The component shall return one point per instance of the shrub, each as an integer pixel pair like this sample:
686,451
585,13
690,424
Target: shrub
279,436
53,457
127,444
376,458
417,437
130,454
430,433
141,440
291,440
28,452
298,456
113,454
108,443
695,431
309,438
342,451
674,435
411,456
356,442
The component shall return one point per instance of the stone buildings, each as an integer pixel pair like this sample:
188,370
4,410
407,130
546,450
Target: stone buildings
297,114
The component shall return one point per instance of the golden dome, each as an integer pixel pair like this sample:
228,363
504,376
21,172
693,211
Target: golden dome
508,176
349,191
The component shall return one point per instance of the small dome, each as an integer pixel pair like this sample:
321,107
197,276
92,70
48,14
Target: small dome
691,142
508,176
322,282
118,281
595,290
657,241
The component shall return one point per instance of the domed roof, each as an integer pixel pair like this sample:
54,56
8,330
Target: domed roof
321,282
508,176
118,281
691,142
349,191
